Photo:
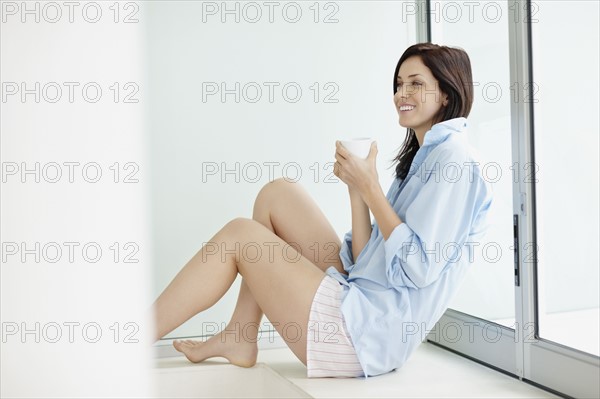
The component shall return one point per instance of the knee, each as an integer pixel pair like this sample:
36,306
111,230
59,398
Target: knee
238,224
240,229
273,189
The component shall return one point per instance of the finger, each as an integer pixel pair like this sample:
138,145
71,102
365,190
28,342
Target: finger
338,155
340,149
373,150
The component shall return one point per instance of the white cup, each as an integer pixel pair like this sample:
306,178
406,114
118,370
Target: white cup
359,146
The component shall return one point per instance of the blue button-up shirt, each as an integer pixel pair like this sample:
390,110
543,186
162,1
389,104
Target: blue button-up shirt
398,288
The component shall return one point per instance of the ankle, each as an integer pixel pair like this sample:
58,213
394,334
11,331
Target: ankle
240,332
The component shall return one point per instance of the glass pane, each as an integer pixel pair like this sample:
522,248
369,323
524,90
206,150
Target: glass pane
481,29
565,72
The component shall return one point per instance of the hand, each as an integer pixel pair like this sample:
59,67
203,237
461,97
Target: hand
359,174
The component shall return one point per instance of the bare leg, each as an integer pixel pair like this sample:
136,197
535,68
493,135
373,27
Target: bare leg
286,209
282,281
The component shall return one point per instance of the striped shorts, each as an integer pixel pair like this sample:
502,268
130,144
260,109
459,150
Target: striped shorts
329,349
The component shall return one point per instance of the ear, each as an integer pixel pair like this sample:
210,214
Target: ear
445,100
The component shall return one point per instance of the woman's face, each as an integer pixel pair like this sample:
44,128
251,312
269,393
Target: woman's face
418,97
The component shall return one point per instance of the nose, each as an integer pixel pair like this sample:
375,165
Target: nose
400,95
402,92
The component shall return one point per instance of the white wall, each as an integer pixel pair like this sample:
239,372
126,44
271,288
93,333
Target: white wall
49,294
357,54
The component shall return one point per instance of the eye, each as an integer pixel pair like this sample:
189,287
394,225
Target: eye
417,83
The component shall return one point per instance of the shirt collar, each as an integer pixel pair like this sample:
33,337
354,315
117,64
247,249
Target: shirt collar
440,131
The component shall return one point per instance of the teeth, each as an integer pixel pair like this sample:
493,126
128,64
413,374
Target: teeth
406,108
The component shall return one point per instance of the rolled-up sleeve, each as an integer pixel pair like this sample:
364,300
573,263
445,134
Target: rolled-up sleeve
436,226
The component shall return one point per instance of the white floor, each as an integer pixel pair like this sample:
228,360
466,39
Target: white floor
430,372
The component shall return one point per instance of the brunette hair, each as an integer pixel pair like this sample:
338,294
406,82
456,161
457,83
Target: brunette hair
451,67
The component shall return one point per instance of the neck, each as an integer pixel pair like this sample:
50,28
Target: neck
420,133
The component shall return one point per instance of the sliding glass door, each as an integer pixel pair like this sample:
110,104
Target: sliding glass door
481,321
531,307
565,130
565,69
489,131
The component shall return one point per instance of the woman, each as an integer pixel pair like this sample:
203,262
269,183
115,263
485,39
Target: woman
361,313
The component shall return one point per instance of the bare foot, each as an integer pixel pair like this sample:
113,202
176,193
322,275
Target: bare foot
230,346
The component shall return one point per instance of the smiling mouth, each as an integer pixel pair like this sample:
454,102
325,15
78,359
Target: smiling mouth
407,108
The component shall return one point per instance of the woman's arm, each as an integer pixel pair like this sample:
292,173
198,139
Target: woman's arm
386,217
365,193
361,223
